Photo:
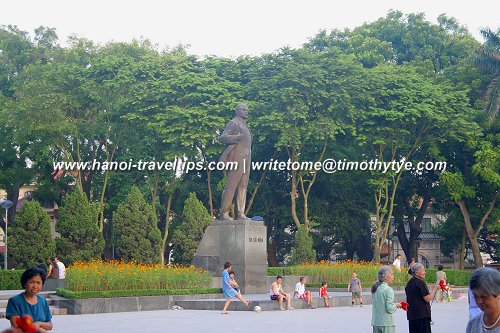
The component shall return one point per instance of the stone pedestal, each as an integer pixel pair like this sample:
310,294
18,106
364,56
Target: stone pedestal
241,242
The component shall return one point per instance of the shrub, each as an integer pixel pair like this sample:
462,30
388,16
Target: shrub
302,250
455,277
338,274
10,279
30,238
187,236
137,235
80,236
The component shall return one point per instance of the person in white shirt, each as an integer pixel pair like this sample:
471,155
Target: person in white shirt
301,293
397,262
61,268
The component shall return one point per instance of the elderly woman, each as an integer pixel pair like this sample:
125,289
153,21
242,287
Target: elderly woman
383,302
29,303
419,298
485,285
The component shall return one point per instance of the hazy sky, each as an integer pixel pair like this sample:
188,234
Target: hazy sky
225,27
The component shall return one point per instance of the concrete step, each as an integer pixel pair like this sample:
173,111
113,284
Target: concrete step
267,305
50,296
6,294
55,311
339,299
3,302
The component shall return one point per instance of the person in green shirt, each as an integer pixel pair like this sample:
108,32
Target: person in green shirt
383,302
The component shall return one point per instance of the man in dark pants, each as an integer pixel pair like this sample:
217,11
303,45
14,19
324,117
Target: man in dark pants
239,140
419,298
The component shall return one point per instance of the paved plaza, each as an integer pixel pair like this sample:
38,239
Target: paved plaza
448,318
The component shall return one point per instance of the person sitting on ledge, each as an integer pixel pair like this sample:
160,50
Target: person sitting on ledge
323,293
302,293
277,294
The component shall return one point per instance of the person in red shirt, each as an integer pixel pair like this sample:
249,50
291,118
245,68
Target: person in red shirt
323,293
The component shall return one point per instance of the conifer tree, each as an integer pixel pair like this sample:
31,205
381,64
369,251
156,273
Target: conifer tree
29,237
80,237
187,236
135,227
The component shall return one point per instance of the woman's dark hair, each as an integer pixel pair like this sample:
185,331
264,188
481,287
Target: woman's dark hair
382,275
227,264
487,280
231,272
440,267
31,272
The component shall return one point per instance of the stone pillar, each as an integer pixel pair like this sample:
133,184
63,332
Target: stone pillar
241,242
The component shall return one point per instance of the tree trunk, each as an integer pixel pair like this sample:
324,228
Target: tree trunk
167,225
294,195
210,200
350,249
462,250
272,253
256,189
13,195
103,192
471,234
376,252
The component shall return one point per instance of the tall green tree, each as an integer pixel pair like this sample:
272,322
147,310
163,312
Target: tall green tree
195,219
18,147
475,189
302,102
137,235
77,224
408,113
30,237
487,59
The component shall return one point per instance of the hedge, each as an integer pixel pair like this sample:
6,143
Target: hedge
133,293
11,279
455,277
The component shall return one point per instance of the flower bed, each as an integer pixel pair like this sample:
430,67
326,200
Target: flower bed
338,274
99,275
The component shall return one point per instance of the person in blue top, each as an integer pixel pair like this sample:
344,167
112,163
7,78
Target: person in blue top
228,289
29,303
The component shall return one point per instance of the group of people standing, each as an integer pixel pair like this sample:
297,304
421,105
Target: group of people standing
484,296
54,270
484,287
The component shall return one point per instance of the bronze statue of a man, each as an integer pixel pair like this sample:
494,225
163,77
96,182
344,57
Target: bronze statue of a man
238,139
